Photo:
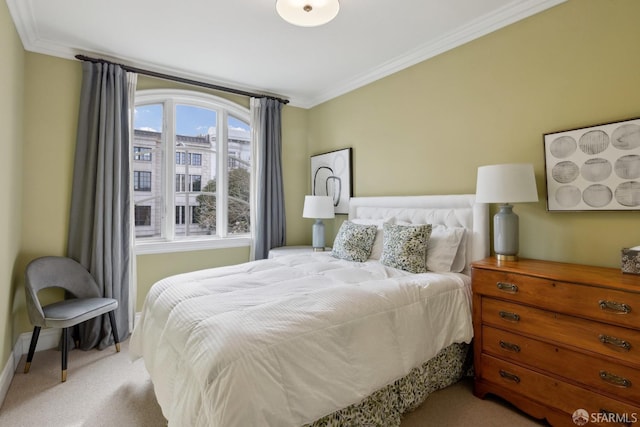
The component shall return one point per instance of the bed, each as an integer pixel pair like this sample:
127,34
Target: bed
318,339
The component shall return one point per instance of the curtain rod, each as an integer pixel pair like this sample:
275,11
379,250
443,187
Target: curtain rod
181,79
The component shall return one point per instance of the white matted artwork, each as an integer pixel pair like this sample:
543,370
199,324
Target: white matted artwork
331,176
594,168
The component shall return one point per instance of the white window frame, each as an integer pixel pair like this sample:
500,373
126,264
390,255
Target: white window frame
169,98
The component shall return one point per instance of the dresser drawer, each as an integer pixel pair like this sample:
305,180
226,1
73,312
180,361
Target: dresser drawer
542,388
615,379
598,303
618,342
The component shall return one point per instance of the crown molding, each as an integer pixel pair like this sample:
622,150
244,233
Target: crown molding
23,18
507,15
24,21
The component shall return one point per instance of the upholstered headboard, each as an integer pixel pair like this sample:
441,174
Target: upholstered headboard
459,210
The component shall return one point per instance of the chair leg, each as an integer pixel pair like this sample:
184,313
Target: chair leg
32,348
114,330
65,350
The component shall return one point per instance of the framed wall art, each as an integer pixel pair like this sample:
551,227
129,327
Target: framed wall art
594,168
331,176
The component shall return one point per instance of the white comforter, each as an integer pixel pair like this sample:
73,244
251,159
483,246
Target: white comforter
285,341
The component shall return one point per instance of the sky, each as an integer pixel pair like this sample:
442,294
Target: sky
191,121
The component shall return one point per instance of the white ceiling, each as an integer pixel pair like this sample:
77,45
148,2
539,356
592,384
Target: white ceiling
245,45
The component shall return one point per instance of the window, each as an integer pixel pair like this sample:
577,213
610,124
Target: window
180,183
194,215
180,157
142,154
142,215
199,171
194,183
179,214
233,160
195,159
141,181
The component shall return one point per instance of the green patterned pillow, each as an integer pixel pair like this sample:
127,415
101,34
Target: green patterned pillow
405,247
354,241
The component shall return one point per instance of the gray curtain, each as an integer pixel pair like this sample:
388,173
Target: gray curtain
99,224
269,228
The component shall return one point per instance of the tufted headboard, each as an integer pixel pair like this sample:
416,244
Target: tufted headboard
459,210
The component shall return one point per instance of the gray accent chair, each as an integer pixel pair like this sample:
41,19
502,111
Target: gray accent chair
65,273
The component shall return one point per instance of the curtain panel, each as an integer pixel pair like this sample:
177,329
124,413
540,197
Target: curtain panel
100,221
132,83
268,222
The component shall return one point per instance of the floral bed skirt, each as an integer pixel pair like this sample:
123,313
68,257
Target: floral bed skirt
384,408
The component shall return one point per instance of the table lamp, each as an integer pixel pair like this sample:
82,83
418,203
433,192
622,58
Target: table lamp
319,208
505,184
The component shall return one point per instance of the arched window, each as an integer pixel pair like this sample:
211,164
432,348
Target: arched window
191,171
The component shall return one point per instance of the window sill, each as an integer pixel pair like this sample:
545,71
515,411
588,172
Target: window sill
160,247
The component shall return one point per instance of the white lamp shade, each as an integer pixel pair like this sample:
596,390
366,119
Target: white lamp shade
507,183
307,13
318,207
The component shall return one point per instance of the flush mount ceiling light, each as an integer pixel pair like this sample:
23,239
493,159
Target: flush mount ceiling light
307,13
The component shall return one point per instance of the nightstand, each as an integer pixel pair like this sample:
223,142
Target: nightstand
290,250
554,338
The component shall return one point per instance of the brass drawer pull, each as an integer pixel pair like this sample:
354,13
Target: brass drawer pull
507,287
617,342
511,347
614,379
509,376
509,316
614,307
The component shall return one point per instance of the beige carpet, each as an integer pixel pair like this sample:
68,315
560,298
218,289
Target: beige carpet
105,388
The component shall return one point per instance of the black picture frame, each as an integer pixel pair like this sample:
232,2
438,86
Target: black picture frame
331,175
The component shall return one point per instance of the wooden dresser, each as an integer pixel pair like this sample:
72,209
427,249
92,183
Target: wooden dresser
553,338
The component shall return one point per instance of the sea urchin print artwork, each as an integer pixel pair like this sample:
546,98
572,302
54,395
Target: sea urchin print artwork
594,168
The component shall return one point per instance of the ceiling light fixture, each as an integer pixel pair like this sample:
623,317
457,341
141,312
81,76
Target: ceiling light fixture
307,13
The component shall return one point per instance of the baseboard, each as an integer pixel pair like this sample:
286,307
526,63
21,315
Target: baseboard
48,339
6,377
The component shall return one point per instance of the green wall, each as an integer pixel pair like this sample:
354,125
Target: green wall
51,98
426,129
12,87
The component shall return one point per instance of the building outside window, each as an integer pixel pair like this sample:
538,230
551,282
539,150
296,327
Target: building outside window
199,169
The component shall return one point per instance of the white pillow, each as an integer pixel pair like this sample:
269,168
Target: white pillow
460,261
376,251
446,249
443,247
